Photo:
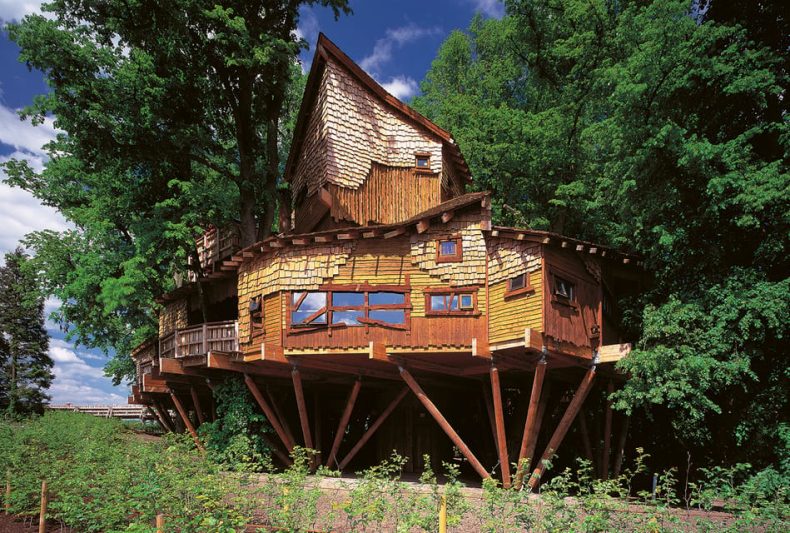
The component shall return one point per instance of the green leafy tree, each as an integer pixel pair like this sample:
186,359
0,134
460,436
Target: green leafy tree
173,116
25,365
658,127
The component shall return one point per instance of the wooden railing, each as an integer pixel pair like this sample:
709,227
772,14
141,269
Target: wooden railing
215,245
201,339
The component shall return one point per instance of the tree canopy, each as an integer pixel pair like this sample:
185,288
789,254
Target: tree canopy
657,128
174,116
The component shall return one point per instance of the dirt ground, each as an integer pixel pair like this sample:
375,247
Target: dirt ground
17,524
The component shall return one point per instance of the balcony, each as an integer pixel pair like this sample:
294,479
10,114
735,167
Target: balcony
201,339
216,244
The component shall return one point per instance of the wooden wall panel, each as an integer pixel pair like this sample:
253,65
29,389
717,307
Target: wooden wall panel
563,322
511,316
173,316
388,195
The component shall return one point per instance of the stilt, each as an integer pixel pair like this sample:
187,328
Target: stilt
489,402
585,435
196,404
499,416
341,426
446,427
267,410
276,450
317,424
188,423
296,377
161,408
372,429
274,402
159,416
532,424
607,432
620,452
565,423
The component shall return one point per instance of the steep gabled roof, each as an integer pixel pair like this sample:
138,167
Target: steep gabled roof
327,50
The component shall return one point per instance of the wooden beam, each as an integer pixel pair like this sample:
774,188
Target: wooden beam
165,415
620,452
447,216
188,423
395,233
378,352
300,241
372,429
267,410
196,404
481,349
348,236
567,419
489,405
499,417
296,377
343,424
280,414
165,425
443,423
611,353
532,424
323,238
607,432
423,225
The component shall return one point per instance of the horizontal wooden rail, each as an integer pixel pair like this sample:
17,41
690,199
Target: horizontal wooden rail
201,339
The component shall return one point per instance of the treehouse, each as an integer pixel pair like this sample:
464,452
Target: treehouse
394,315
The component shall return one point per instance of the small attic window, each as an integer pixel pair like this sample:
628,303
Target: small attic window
449,250
422,161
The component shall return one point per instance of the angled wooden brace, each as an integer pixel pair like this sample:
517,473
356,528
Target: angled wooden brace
343,424
267,410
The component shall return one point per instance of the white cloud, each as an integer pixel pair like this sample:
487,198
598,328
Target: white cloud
394,37
22,135
491,8
78,382
16,9
401,87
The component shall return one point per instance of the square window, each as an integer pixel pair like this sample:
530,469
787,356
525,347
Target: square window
438,302
467,302
448,248
423,161
518,282
563,288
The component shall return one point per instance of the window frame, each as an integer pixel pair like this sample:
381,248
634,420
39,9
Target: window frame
456,292
422,155
364,321
526,289
457,257
560,299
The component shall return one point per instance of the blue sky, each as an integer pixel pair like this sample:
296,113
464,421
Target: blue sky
395,42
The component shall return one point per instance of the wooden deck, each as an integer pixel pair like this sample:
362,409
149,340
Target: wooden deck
201,339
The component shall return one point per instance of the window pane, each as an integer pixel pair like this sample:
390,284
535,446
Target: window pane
313,302
422,162
447,248
386,298
299,317
394,316
350,318
563,288
453,302
438,302
517,282
348,299
466,301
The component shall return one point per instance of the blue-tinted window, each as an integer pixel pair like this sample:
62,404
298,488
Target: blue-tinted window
386,298
448,248
390,316
312,303
348,299
349,318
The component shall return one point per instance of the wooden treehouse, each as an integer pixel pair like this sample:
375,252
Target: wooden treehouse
395,316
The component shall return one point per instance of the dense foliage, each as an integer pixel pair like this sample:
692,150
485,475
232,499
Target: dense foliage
102,477
657,128
25,364
174,115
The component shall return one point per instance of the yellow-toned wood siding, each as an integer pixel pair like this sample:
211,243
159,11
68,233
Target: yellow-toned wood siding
273,318
510,317
174,315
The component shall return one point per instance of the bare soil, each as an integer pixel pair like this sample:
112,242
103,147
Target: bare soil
26,524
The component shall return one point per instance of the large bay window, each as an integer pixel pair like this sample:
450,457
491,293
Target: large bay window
348,306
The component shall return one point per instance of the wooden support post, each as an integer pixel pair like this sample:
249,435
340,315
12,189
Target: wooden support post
296,377
196,404
446,427
42,516
532,424
562,428
607,432
7,499
276,450
267,410
317,423
159,416
372,429
489,402
188,423
499,416
585,435
443,515
344,419
166,416
160,523
280,414
620,452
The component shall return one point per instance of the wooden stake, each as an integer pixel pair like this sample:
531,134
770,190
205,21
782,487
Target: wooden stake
344,419
562,428
267,410
7,500
187,422
499,417
532,424
443,423
607,432
42,517
618,456
296,377
443,515
372,429
160,523
196,404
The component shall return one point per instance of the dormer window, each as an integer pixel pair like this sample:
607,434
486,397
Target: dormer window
422,161
449,250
